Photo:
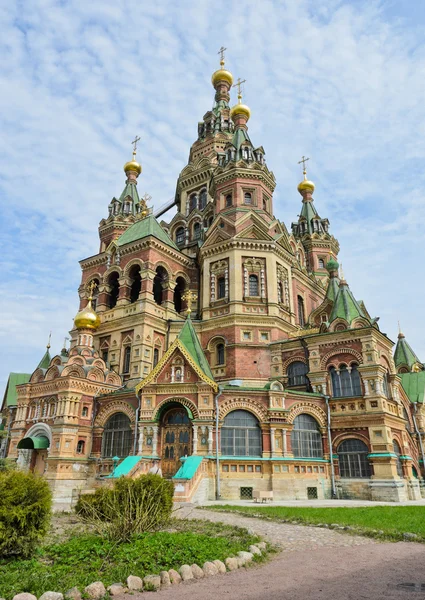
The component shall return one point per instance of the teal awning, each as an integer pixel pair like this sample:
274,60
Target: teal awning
34,443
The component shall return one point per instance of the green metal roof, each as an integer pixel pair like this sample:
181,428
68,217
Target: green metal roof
34,443
414,385
346,306
145,228
190,341
309,212
333,289
45,361
10,394
403,354
130,190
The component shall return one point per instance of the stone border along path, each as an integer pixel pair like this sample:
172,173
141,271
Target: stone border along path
287,536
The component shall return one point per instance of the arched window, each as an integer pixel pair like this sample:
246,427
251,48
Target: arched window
197,231
347,382
229,200
126,360
136,283
220,354
80,446
114,288
178,293
180,235
353,461
253,285
385,384
117,436
397,452
297,373
321,263
193,202
155,356
203,199
306,438
248,198
221,287
241,435
85,411
158,284
301,313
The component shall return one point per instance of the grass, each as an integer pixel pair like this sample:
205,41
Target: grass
83,559
386,522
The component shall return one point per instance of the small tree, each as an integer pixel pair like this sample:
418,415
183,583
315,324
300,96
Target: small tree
25,509
131,507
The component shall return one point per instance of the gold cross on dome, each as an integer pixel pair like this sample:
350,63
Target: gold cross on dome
221,52
189,297
303,161
238,85
134,142
92,286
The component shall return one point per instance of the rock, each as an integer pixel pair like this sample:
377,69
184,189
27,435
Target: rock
221,567
51,596
134,584
262,545
116,589
186,572
209,568
410,536
152,583
255,550
24,596
197,571
241,562
165,579
231,563
73,594
175,577
95,590
246,557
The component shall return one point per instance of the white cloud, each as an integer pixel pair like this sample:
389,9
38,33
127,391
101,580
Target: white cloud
341,82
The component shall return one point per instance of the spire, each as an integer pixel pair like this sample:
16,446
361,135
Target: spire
128,203
222,80
403,354
332,267
45,361
346,306
309,221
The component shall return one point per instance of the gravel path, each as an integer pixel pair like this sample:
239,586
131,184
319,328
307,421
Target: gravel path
288,537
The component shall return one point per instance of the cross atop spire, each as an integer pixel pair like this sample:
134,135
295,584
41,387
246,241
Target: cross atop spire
134,142
48,343
238,85
303,161
221,52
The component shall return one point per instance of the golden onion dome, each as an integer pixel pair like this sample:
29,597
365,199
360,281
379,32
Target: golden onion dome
87,318
240,109
305,185
222,74
133,165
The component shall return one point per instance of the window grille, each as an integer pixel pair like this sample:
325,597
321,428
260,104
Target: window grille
246,493
306,437
312,493
180,235
297,372
353,461
117,436
253,285
221,287
248,198
241,435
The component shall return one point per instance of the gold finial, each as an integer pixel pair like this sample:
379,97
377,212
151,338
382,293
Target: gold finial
65,339
92,286
143,207
221,52
303,161
238,85
189,297
48,343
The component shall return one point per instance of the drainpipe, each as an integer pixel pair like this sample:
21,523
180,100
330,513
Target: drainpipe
136,425
217,458
418,433
334,495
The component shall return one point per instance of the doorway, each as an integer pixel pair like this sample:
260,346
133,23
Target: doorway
176,440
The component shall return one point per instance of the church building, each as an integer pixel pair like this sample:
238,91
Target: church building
224,345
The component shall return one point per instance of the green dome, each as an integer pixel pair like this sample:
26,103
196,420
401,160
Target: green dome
332,265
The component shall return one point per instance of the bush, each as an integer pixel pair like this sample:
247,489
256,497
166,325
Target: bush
7,464
25,507
131,507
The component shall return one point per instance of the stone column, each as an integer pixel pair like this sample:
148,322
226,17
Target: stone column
272,440
366,387
210,439
284,442
195,439
140,441
155,440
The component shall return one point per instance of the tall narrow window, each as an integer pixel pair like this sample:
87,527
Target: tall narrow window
180,236
196,231
228,200
220,354
203,199
253,285
80,447
126,361
178,292
158,284
193,202
221,287
297,373
321,263
336,384
301,313
114,288
306,438
136,283
117,437
105,355
155,356
248,198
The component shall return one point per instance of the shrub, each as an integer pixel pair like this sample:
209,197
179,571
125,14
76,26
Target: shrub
131,507
25,507
7,464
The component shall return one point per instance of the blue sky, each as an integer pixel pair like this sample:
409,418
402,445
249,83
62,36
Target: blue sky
338,81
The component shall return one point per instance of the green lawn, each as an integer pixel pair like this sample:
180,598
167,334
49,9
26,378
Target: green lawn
83,559
381,521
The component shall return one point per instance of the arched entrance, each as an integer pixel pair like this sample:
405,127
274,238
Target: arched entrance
176,439
34,448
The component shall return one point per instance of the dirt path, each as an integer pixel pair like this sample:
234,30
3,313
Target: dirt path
315,564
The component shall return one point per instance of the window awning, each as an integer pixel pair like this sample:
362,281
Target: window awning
34,443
